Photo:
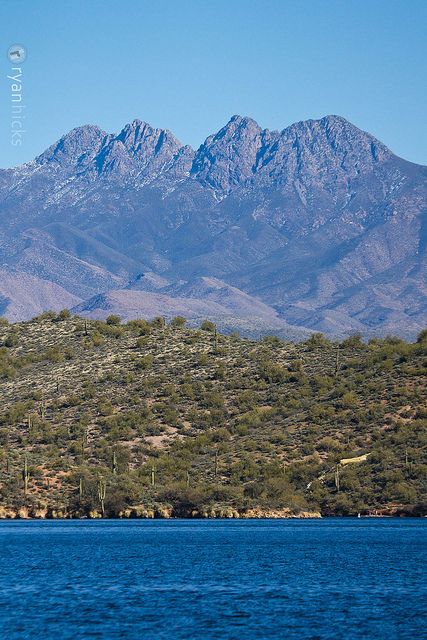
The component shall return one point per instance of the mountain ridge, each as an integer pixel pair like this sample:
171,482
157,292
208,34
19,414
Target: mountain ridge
316,220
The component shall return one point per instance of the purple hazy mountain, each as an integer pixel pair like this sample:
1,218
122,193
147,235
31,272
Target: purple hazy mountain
318,226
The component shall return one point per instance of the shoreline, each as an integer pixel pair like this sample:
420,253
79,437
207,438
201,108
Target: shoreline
155,514
26,515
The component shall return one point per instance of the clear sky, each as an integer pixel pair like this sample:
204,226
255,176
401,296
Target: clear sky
189,65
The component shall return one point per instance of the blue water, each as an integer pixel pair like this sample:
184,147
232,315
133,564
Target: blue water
334,578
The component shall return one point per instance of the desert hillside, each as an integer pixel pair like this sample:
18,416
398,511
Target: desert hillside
147,419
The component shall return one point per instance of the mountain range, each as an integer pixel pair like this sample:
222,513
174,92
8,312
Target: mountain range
315,227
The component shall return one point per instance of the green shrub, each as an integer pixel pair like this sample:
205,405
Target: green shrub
178,322
207,325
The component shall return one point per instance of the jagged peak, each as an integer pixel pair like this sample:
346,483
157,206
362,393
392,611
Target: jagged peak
138,135
227,158
241,140
339,124
84,129
334,119
330,122
80,141
79,134
235,124
242,120
337,133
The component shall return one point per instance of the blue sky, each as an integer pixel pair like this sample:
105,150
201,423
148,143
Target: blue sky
189,65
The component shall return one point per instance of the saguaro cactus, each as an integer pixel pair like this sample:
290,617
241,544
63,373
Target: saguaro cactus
153,475
337,478
42,408
25,475
114,462
337,361
102,490
84,441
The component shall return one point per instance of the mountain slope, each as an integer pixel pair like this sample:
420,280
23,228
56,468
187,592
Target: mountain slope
23,296
205,299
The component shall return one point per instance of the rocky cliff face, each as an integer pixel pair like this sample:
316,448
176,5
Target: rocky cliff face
319,222
315,152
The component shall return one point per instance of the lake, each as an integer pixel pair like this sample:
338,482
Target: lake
234,579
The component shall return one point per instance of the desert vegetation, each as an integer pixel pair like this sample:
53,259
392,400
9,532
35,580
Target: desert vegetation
100,418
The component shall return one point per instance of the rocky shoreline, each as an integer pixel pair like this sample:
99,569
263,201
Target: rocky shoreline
166,512
142,512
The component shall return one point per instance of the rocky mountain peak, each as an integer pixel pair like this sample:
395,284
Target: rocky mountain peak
243,153
315,151
114,159
335,136
78,146
228,158
140,139
237,123
137,148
